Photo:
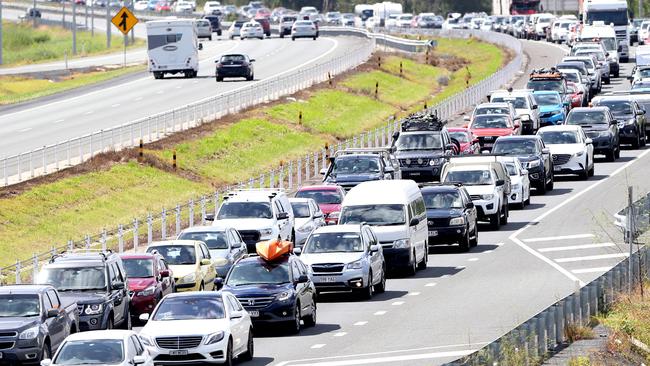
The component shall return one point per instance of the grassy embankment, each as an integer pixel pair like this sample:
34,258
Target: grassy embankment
224,152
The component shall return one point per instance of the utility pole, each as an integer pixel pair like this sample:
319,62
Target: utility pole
74,27
630,237
108,25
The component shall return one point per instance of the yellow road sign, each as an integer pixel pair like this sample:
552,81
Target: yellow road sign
124,20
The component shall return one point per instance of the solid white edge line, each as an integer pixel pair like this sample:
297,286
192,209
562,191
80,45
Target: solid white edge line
591,270
591,257
575,247
421,356
548,261
564,237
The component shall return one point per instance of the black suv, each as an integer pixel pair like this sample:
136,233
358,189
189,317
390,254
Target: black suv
451,215
601,127
350,167
550,79
422,147
630,116
273,292
97,282
534,157
215,22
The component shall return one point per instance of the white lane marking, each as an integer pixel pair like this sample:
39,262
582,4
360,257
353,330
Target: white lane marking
415,293
591,257
58,121
366,361
398,303
25,129
592,270
549,261
430,284
319,345
138,99
340,334
178,87
361,323
460,267
553,238
576,247
380,312
472,259
445,276
89,112
115,105
499,244
488,251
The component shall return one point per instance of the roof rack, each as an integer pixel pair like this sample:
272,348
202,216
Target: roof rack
367,150
100,252
423,121
440,184
546,73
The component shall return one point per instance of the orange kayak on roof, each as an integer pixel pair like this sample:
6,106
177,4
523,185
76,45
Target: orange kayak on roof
273,249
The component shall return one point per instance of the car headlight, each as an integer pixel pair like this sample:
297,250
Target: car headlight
284,296
533,164
630,121
436,161
487,196
93,309
603,134
355,265
147,340
29,333
147,292
189,278
266,232
307,228
402,243
580,153
214,337
457,221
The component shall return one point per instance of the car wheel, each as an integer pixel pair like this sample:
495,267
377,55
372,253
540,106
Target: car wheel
504,218
618,152
495,219
314,38
366,292
584,174
219,32
293,38
412,268
109,324
158,75
380,288
281,34
219,78
228,360
607,81
464,244
232,37
310,321
522,205
617,74
474,242
644,139
250,349
211,37
46,353
425,258
551,184
591,170
294,325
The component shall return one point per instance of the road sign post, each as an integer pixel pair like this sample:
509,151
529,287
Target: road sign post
124,20
0,32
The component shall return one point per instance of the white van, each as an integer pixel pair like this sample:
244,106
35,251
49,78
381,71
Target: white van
173,47
396,211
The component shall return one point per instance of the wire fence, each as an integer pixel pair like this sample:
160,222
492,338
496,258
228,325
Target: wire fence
289,176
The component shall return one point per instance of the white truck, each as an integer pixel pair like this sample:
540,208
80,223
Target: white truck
173,47
610,12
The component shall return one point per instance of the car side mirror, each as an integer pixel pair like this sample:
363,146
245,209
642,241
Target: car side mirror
200,46
323,171
236,315
466,118
500,182
374,248
395,135
469,204
297,251
164,273
517,125
566,103
524,172
144,317
466,125
139,360
209,217
283,216
535,106
414,221
303,279
318,215
614,122
218,283
546,150
53,313
589,141
118,285
206,262
236,245
581,92
252,60
46,362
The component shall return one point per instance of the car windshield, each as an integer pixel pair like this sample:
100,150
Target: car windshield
213,239
547,99
559,137
176,254
470,177
586,118
258,273
552,85
90,352
490,121
572,77
322,197
233,58
187,308
617,107
643,73
515,147
18,305
74,278
245,210
356,165
418,141
442,200
138,268
300,209
588,62
618,17
383,215
333,243
580,67
517,102
491,110
460,136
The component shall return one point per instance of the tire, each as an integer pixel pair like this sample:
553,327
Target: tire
504,219
495,220
294,325
228,360
249,77
232,37
250,349
617,153
282,34
219,78
464,244
611,156
591,170
423,264
607,81
158,75
314,38
412,269
366,292
643,140
522,205
551,184
380,288
310,321
617,74
474,242
211,37
637,142
46,352
293,38
584,174
528,200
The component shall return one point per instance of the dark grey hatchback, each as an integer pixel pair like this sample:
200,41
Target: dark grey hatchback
235,65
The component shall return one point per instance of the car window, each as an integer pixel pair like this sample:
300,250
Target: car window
139,349
47,302
295,271
53,299
204,251
112,276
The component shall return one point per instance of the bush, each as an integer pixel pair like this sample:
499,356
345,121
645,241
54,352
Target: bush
41,38
443,80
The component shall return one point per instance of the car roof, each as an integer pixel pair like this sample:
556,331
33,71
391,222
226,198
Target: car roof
100,334
548,92
299,200
206,294
587,109
260,260
217,227
338,229
458,129
440,188
492,115
138,256
612,97
469,167
173,242
493,104
560,128
521,138
401,191
322,187
24,289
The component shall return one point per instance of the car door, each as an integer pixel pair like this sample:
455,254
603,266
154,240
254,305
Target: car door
470,213
316,214
208,271
235,323
117,296
304,289
165,282
285,230
140,350
546,158
375,258
57,326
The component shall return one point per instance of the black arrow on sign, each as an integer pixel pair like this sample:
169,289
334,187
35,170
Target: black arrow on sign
125,16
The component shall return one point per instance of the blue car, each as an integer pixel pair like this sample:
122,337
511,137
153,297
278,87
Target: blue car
151,6
552,111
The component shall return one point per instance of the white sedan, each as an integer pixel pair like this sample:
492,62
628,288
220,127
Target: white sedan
101,347
140,5
251,29
304,29
211,6
183,7
572,150
520,182
210,327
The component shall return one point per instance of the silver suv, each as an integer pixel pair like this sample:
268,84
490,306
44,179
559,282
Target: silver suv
345,258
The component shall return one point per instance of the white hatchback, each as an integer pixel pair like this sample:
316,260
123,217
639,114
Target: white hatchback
251,29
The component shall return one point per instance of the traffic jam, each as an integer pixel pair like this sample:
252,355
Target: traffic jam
269,255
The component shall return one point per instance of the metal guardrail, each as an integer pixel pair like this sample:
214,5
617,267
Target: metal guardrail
290,176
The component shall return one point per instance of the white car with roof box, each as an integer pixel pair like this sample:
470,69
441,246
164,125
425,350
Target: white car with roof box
173,47
572,150
395,209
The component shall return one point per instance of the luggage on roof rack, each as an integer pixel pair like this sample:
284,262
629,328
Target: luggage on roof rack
546,73
423,121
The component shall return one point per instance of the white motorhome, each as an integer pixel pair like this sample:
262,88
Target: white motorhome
386,9
173,47
609,12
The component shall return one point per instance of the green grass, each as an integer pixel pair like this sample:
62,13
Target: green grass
72,207
334,112
244,149
24,45
414,71
392,89
19,89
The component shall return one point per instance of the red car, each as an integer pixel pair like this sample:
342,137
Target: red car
328,198
163,6
487,127
577,96
266,25
468,142
149,280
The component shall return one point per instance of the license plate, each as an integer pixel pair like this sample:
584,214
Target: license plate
328,279
433,233
414,173
254,313
487,145
178,352
557,168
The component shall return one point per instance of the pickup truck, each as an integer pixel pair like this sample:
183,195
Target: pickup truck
34,321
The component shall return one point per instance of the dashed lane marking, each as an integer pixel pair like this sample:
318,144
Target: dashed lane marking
415,293
59,120
430,284
554,238
576,247
25,129
398,303
340,334
591,257
115,105
319,345
472,259
361,323
380,312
